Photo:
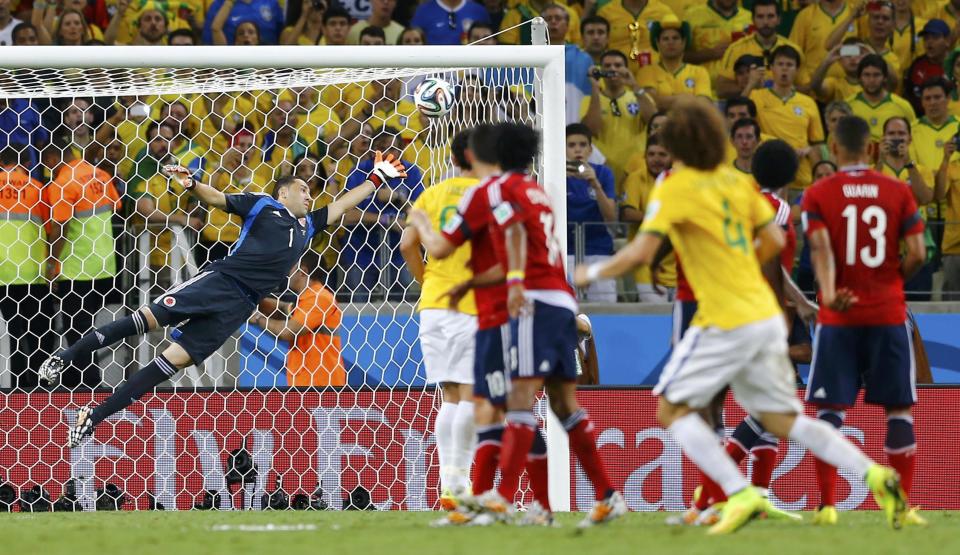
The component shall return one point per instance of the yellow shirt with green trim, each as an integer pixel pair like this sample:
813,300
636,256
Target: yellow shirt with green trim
839,88
795,119
636,194
711,218
689,79
440,203
906,44
522,12
951,232
889,56
749,45
620,19
876,114
944,11
622,128
811,29
928,140
710,28
903,174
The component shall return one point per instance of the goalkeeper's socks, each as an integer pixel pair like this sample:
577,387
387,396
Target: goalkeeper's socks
134,324
486,457
537,470
901,448
156,372
517,440
764,461
583,442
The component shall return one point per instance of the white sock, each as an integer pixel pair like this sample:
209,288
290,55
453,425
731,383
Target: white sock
464,439
443,428
699,444
829,445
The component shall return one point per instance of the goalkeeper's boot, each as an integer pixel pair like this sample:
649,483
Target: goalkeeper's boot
51,369
741,508
885,485
826,516
914,518
609,508
82,429
534,514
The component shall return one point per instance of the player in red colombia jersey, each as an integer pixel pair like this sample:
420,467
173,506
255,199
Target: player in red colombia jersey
855,221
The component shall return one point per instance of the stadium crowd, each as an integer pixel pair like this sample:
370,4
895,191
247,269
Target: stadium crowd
776,68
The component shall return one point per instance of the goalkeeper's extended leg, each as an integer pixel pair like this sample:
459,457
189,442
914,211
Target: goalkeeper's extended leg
156,372
137,323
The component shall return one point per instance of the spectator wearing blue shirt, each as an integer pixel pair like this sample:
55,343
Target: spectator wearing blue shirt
364,261
577,63
590,207
20,125
265,15
447,21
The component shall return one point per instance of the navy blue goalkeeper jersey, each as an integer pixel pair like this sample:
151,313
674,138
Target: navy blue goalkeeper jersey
271,242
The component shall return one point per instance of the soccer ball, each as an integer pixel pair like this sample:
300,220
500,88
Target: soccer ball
433,97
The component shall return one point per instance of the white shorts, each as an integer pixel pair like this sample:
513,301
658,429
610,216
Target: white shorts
447,339
752,359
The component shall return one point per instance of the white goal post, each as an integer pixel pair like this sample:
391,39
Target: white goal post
69,72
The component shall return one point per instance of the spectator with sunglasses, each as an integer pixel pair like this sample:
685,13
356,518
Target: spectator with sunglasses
447,21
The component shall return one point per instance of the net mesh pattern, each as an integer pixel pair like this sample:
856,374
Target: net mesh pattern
88,145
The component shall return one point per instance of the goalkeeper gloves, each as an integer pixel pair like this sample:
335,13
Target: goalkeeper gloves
384,168
183,175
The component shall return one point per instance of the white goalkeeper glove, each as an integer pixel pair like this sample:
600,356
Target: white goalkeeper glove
182,175
384,168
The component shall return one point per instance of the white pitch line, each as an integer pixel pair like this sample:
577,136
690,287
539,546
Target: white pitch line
263,527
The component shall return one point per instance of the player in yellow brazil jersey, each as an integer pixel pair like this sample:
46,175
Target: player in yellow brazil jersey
723,229
447,335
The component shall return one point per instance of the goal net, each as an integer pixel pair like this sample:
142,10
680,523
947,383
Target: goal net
94,127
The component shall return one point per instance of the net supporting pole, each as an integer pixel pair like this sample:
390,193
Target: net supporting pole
555,183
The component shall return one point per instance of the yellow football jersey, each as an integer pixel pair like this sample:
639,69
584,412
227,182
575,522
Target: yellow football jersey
711,217
889,56
749,45
440,202
907,44
839,88
951,233
928,140
811,29
622,130
876,114
904,175
710,28
620,19
690,79
795,119
945,12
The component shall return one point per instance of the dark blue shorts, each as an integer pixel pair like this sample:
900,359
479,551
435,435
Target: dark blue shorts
490,361
544,343
877,358
212,306
683,312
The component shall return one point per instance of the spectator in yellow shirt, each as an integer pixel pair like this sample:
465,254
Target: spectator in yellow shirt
907,24
615,112
759,45
527,10
641,14
877,33
381,15
813,26
670,78
847,56
715,25
875,103
595,32
948,190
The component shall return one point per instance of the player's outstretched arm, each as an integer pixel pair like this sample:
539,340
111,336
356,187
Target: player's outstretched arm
434,243
915,257
207,194
384,168
637,252
769,242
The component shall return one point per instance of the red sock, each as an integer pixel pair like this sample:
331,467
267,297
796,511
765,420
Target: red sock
710,490
583,442
537,472
903,463
735,451
485,461
827,480
764,461
517,439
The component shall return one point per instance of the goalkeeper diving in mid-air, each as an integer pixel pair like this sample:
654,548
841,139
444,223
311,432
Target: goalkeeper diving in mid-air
212,305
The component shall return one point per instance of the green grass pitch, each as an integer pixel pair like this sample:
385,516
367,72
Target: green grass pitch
395,533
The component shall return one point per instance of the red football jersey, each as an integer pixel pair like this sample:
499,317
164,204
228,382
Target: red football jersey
473,222
785,221
684,291
524,200
866,215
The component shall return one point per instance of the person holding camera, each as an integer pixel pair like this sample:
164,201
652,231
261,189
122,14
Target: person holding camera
590,206
829,87
616,111
875,103
877,32
895,160
947,191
